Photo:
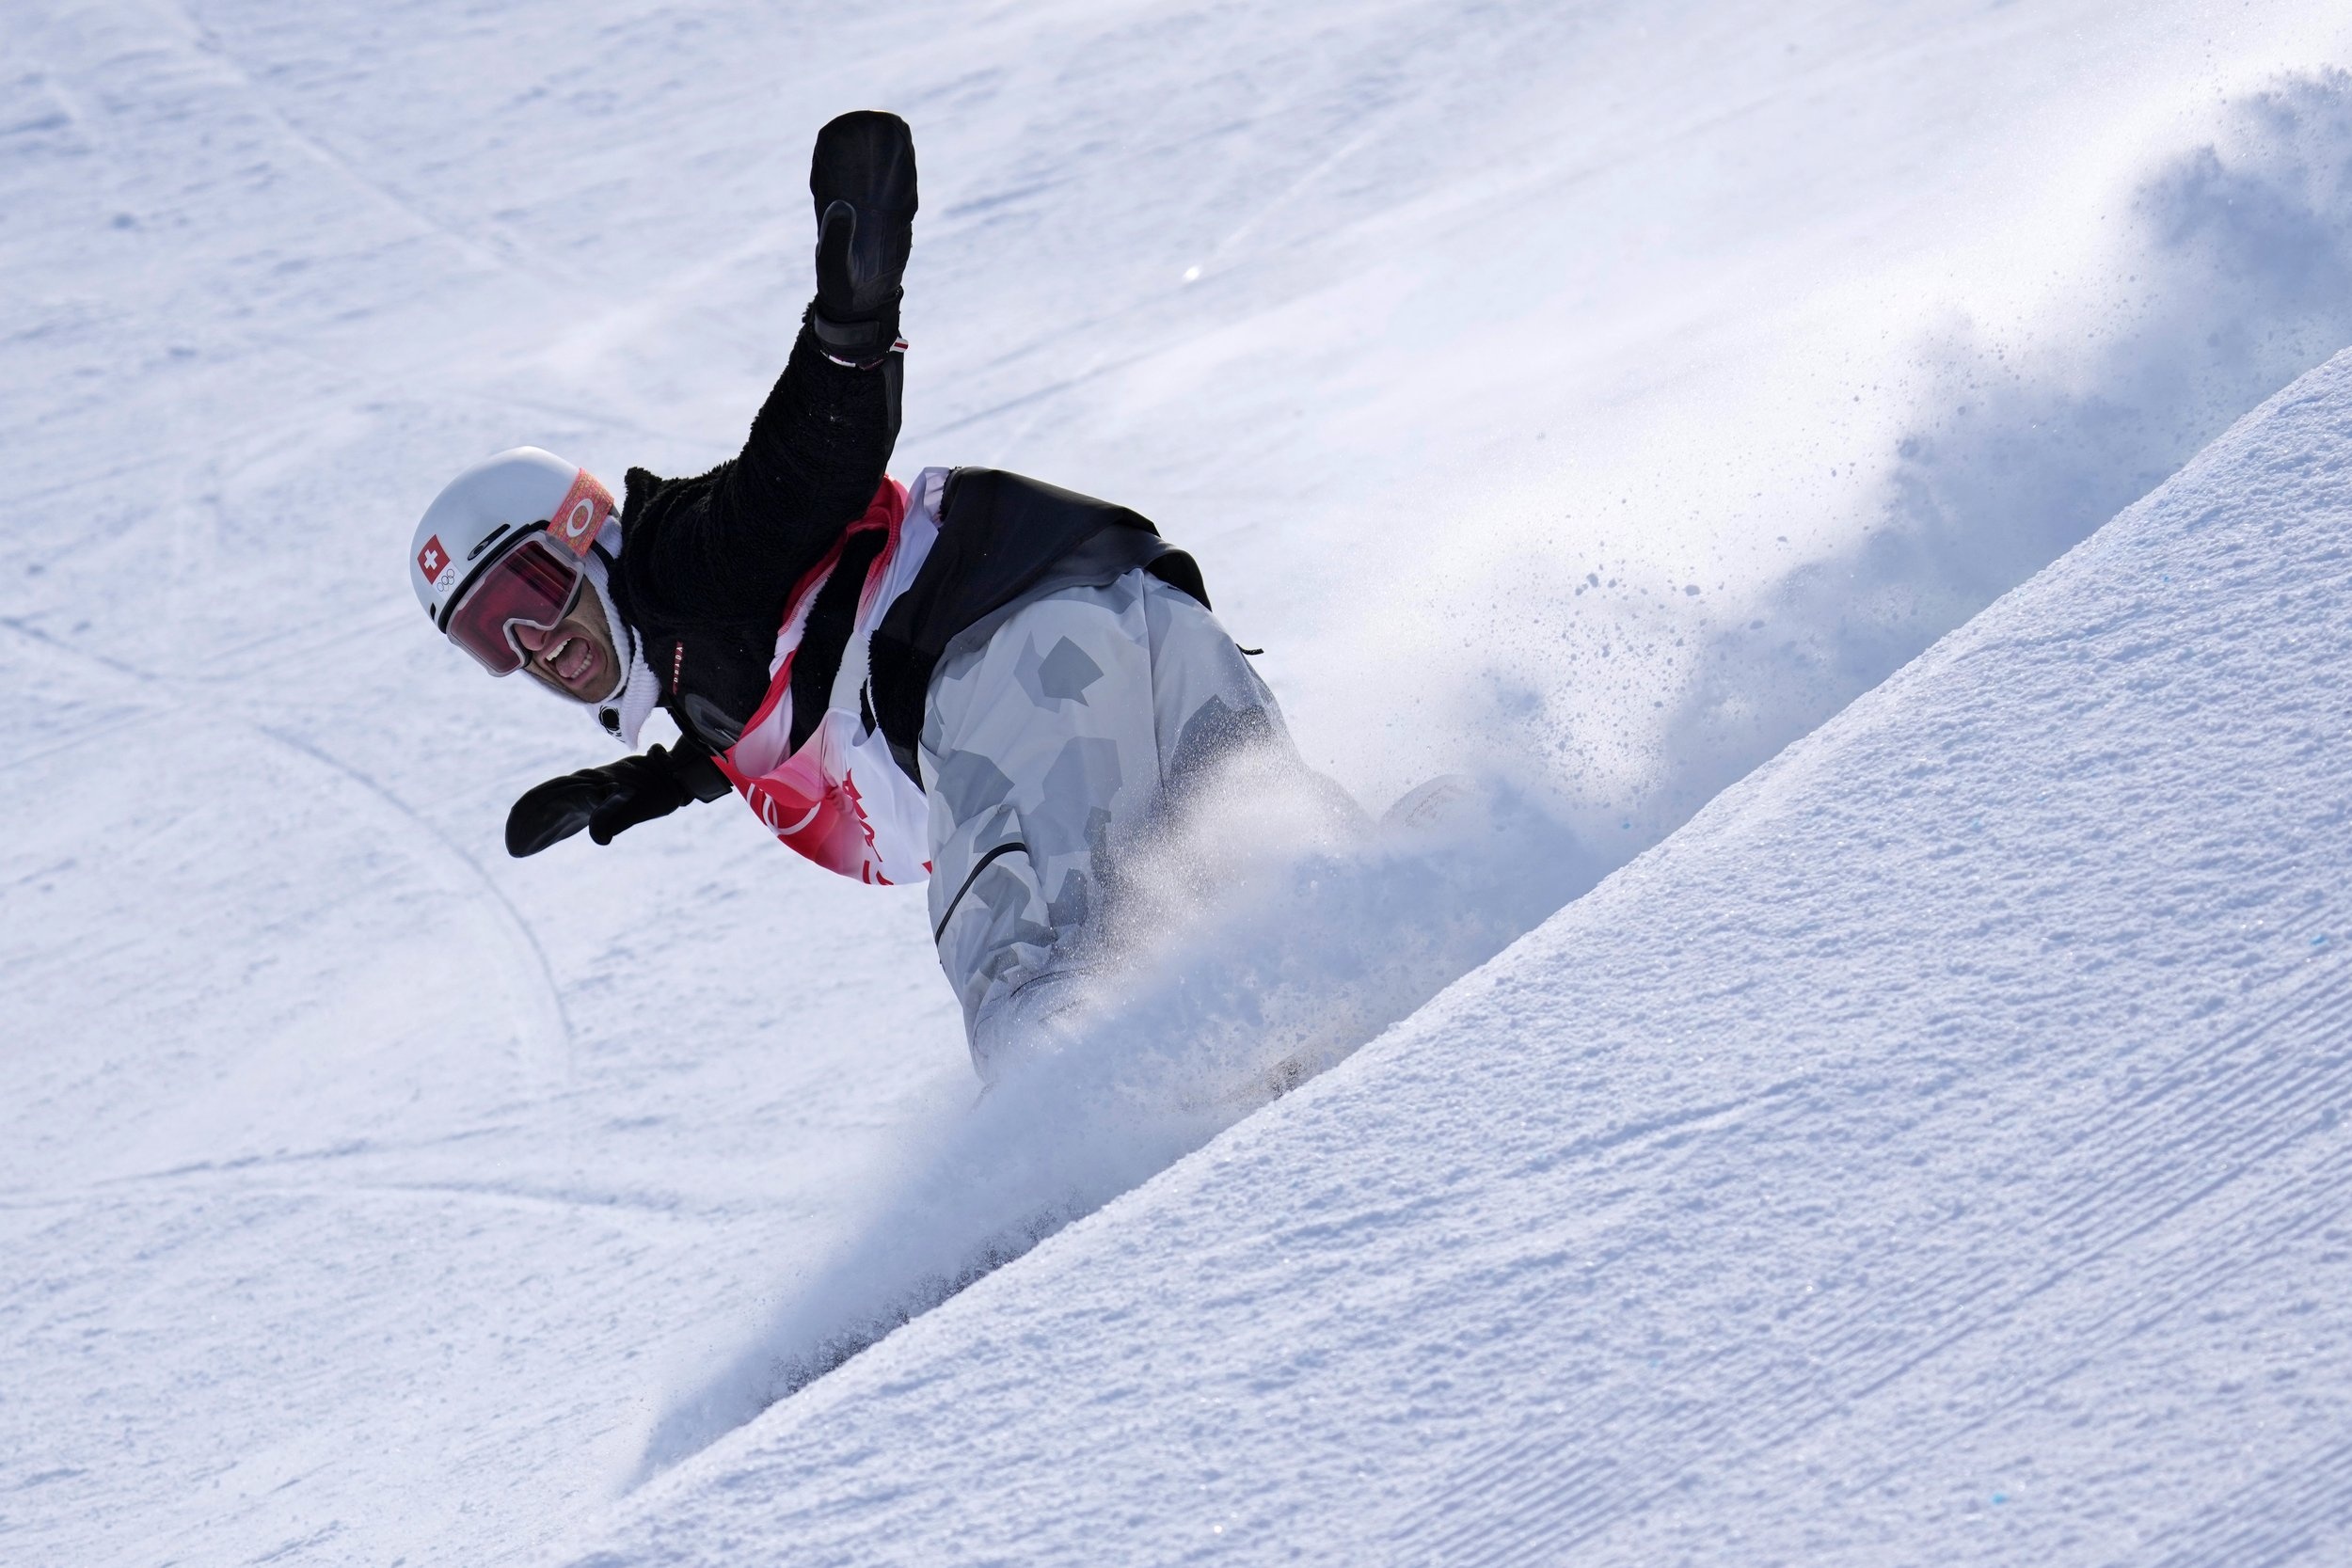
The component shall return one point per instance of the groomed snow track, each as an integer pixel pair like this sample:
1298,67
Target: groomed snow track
1937,1152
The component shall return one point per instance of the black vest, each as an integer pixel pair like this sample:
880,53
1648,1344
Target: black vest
1002,538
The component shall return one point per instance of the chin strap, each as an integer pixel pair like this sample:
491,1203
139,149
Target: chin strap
622,712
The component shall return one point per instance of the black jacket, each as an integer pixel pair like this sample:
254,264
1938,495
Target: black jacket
707,564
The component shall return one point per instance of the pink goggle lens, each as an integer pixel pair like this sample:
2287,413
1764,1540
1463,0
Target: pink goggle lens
534,584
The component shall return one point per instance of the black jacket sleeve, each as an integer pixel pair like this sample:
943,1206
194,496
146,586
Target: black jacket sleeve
729,546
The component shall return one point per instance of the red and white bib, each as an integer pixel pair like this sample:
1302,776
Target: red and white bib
841,799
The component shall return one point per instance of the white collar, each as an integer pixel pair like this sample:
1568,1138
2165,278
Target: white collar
623,712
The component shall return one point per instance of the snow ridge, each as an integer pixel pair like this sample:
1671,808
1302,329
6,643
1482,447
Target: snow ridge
1937,1150
2240,256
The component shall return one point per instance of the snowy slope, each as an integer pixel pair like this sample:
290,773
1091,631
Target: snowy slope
1935,1152
1592,396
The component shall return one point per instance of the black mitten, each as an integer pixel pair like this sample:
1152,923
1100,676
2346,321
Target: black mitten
862,180
610,799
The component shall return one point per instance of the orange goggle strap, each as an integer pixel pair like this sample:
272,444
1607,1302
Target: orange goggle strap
581,518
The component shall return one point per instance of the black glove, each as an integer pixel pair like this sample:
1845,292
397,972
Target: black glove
863,178
610,799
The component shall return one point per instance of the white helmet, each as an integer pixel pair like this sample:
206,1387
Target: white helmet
491,505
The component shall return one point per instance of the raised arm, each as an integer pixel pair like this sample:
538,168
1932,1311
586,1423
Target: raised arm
820,444
818,449
809,469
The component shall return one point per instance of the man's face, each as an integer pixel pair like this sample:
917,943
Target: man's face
576,656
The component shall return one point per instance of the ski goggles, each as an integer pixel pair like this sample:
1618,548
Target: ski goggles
533,582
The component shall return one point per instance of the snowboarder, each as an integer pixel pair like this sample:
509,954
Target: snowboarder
979,678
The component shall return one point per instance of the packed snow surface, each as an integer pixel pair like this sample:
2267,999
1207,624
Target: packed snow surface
1935,1152
1591,399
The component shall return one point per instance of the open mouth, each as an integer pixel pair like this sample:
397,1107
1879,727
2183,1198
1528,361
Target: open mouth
573,660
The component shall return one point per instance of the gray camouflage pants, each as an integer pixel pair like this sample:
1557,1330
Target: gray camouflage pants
1050,742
